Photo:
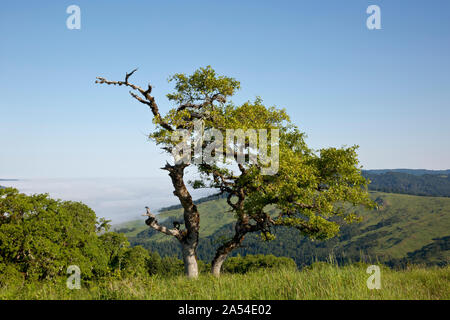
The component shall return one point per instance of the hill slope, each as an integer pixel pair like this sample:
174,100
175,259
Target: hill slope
404,229
417,172
407,183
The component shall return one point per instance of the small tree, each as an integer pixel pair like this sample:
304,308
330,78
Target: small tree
296,187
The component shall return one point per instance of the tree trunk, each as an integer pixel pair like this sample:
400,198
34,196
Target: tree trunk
224,250
240,230
216,266
189,237
190,260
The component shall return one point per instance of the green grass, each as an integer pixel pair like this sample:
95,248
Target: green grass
322,281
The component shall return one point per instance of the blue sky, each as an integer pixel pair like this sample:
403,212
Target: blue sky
386,90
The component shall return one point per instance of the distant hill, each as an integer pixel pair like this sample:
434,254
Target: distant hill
417,172
407,229
436,184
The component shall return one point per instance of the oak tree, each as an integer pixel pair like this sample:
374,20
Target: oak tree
314,191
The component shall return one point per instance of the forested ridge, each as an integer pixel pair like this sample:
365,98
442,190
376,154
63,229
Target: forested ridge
436,184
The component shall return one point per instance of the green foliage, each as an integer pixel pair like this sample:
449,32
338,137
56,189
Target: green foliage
115,246
204,83
35,239
244,264
135,262
10,276
154,263
41,237
196,96
309,189
171,266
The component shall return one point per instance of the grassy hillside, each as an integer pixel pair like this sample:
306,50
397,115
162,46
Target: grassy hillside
404,224
322,281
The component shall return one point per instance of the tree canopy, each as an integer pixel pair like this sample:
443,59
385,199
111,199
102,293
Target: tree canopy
41,236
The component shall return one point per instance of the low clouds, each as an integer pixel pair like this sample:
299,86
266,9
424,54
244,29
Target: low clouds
118,199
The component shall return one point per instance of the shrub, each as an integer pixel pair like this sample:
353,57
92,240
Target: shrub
41,237
135,262
250,262
10,276
171,266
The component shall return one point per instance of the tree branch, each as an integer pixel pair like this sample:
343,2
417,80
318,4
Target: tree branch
152,223
148,99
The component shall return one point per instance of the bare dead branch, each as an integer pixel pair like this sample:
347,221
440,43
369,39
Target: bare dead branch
127,75
152,223
147,98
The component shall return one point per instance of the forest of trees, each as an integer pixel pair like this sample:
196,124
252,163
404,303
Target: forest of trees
410,182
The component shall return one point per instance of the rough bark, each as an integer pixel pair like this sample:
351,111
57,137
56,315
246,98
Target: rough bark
190,259
189,237
222,253
241,229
